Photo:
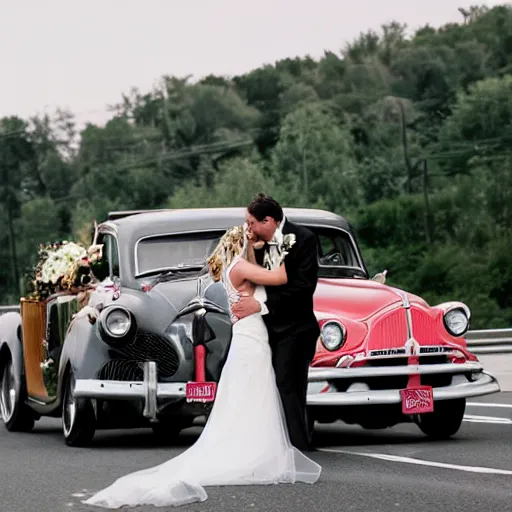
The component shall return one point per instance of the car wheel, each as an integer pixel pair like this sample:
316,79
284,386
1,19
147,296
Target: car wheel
78,418
16,415
445,421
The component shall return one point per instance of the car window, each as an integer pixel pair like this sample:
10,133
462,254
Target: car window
109,266
174,250
335,248
113,256
336,251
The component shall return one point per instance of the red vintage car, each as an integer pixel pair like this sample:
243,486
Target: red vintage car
386,357
146,344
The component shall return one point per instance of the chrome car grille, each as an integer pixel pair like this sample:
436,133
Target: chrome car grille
121,369
146,347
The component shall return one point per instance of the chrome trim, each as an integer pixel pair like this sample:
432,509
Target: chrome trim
36,401
408,317
200,304
455,305
317,374
442,350
465,310
342,359
106,312
343,334
125,390
484,384
109,228
149,390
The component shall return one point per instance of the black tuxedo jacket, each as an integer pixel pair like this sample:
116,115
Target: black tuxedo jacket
290,306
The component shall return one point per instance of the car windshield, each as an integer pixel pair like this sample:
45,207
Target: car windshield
337,255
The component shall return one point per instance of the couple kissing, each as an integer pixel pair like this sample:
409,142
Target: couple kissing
257,430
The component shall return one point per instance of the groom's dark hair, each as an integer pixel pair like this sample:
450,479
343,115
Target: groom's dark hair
265,206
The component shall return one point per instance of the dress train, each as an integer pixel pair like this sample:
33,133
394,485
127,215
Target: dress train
244,442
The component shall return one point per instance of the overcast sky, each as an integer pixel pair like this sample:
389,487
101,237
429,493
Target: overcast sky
82,55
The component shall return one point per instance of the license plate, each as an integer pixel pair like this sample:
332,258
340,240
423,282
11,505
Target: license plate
201,391
418,400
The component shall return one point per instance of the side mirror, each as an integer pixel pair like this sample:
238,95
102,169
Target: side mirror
380,277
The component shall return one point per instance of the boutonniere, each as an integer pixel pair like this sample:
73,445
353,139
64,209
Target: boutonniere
289,241
278,249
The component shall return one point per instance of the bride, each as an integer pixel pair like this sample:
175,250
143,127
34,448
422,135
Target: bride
245,441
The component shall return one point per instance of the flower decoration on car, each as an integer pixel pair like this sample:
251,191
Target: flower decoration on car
49,370
65,266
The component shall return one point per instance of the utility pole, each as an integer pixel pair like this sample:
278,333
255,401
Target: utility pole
429,236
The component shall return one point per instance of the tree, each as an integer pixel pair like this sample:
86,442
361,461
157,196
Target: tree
313,162
16,156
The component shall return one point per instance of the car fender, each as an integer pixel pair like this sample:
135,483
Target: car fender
83,351
11,339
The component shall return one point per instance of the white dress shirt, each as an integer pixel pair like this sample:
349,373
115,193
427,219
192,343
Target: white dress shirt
277,238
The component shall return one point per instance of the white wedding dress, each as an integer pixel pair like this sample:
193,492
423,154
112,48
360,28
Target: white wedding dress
244,442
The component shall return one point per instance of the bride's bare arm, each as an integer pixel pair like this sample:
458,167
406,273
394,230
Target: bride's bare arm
246,271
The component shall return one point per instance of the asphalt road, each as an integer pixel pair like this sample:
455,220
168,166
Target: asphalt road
370,471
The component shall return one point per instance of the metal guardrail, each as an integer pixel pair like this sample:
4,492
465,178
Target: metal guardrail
486,341
8,309
490,341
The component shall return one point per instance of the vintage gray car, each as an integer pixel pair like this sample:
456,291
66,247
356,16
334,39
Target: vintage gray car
149,346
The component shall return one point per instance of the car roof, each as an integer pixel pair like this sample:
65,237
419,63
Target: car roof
131,226
136,225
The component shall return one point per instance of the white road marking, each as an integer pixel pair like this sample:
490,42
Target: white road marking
487,419
483,404
421,462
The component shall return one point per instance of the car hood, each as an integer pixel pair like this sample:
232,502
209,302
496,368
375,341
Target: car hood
177,293
357,299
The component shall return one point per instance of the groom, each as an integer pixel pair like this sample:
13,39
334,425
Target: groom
288,311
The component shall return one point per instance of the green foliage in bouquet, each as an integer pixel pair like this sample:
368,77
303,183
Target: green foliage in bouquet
49,369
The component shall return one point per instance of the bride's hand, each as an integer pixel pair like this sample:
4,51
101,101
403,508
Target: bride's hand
253,241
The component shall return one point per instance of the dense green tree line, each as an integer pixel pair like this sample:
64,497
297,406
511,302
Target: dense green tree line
407,137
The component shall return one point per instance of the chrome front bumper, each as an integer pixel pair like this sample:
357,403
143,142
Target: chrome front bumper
149,390
479,383
358,393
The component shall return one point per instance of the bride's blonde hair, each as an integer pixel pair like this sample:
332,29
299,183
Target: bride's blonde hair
231,245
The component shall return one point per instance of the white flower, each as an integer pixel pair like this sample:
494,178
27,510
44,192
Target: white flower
279,249
289,240
46,364
61,262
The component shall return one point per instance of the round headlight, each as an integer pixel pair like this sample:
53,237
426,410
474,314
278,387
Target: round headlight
332,335
117,323
456,322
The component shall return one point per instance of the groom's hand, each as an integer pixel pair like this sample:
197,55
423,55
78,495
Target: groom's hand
247,305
